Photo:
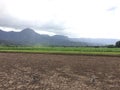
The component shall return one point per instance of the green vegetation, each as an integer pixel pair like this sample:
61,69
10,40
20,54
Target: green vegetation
117,44
64,50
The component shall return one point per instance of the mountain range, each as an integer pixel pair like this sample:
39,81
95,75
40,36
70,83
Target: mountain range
30,37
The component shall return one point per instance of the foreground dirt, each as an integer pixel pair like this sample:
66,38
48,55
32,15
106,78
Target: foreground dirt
20,71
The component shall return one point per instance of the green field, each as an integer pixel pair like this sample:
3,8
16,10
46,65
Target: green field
64,50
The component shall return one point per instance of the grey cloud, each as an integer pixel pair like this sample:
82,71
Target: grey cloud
57,28
8,21
11,22
112,8
52,26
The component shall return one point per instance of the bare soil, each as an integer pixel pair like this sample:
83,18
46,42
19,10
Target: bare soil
22,71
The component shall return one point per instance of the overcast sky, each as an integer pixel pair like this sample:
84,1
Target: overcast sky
74,18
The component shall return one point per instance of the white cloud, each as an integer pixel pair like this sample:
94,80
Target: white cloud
81,18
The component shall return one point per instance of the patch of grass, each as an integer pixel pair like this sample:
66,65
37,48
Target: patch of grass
64,50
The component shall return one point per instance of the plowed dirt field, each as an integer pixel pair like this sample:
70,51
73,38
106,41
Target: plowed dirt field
22,71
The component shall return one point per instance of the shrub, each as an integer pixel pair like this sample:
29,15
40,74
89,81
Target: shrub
117,44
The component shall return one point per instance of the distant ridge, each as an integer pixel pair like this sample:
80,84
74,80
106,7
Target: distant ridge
97,41
29,37
28,30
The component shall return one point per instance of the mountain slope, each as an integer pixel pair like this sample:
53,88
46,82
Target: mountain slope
30,37
96,41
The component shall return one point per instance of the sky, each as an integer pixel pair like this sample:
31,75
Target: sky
72,18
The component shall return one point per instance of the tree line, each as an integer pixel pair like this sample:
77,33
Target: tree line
117,45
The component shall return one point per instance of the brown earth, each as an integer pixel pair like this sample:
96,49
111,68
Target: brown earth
22,71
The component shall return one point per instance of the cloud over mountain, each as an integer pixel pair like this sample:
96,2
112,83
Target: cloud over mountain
9,21
74,18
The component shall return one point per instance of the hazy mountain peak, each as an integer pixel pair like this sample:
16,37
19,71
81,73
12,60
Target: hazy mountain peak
28,30
1,30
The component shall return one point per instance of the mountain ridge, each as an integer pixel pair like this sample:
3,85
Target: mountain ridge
29,37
